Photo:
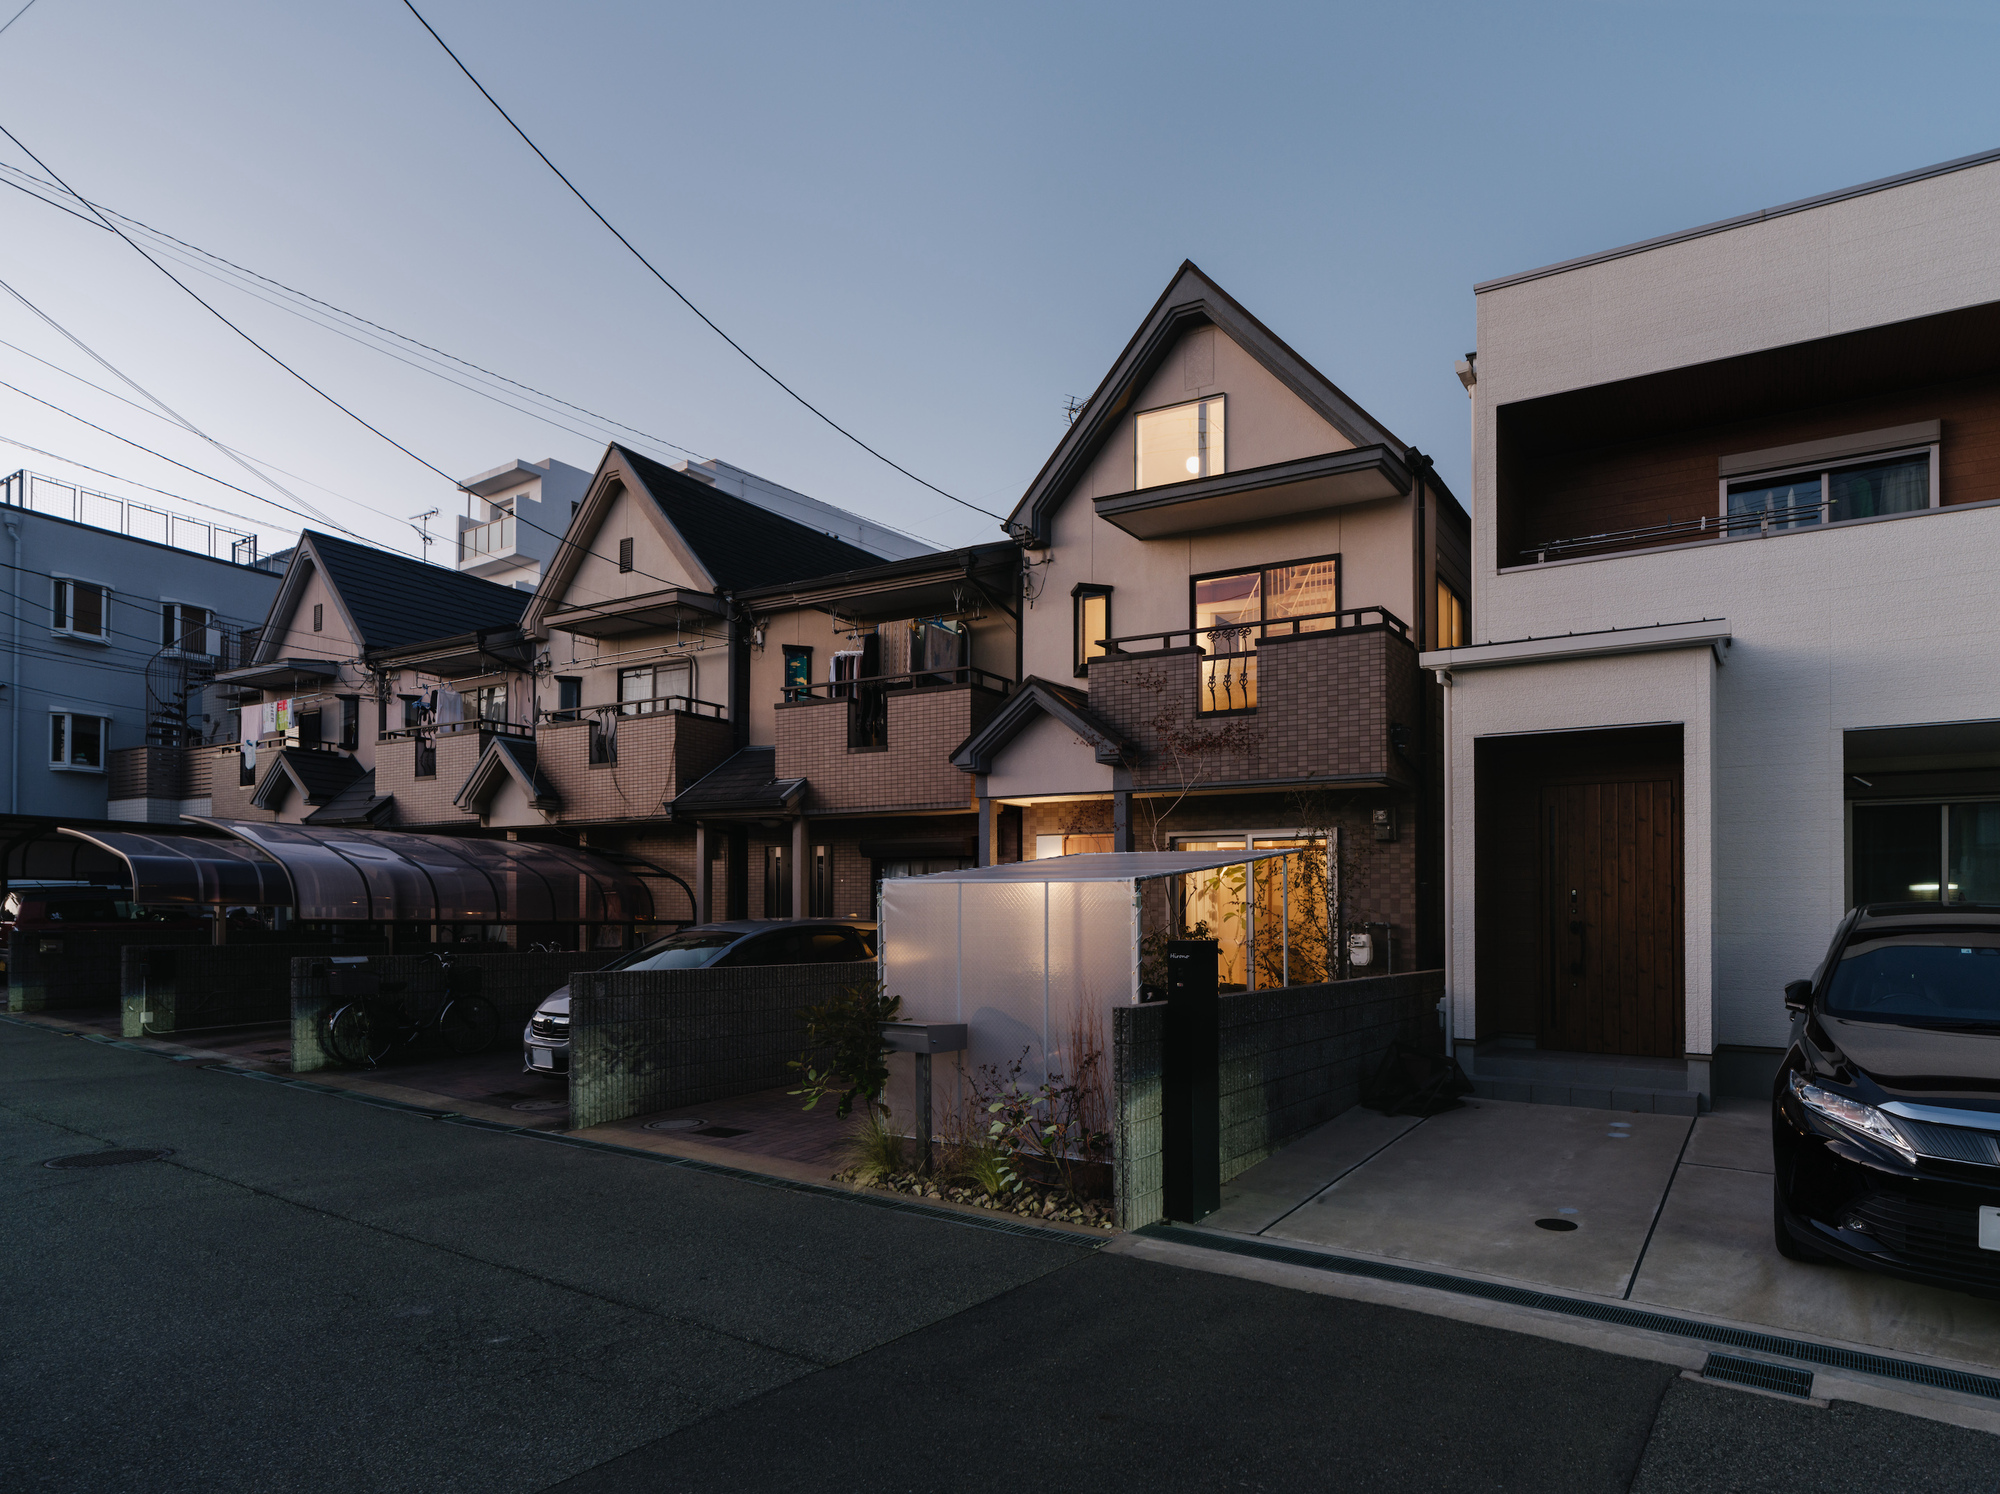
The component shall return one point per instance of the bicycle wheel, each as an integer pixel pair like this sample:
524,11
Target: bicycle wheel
468,1025
356,1036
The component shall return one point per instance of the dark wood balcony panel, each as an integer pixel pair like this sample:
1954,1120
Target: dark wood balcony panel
1327,707
606,766
154,773
911,770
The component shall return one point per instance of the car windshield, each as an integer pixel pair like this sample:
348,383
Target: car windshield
679,952
1944,979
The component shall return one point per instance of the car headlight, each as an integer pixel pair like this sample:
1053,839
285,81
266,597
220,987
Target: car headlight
1856,1116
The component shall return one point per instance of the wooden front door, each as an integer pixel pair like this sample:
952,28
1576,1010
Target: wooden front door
1611,904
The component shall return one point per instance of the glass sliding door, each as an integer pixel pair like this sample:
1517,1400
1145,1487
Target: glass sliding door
1973,862
1927,853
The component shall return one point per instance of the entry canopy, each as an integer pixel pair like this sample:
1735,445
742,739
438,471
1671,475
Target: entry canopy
378,876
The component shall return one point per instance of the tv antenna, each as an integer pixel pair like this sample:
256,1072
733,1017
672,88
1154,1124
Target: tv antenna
424,519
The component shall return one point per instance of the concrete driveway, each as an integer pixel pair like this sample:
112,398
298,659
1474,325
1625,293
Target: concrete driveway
1668,1212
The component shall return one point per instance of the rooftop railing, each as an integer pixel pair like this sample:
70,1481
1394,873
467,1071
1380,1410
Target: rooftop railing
63,500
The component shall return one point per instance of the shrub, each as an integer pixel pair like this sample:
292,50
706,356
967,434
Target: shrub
849,1028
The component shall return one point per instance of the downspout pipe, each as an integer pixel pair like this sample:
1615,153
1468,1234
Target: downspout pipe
14,678
1450,955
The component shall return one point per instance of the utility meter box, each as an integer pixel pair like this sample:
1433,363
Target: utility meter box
1360,950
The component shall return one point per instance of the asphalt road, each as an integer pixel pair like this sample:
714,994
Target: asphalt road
316,1294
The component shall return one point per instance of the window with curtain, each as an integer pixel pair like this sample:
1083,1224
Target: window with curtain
1895,483
1453,624
653,687
487,703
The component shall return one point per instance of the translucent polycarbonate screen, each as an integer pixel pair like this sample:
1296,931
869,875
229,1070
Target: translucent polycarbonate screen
919,936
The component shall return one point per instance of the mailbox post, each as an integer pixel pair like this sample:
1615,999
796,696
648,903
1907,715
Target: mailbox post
922,1039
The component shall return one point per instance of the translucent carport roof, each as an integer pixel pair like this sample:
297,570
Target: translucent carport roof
1108,866
378,876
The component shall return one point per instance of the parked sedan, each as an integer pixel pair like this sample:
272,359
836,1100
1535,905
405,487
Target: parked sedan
1886,1112
705,946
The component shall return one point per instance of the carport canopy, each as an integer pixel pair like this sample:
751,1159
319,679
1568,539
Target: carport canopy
377,876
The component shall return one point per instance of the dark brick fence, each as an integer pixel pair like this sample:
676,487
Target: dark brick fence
514,982
1290,1059
660,1039
178,988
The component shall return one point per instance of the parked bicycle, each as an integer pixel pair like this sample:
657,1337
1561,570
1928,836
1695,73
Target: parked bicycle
369,1028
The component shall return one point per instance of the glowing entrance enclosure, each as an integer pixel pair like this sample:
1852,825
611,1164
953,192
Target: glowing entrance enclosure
1029,955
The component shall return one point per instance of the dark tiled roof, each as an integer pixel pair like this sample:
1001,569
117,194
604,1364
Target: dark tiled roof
741,544
1037,697
522,753
319,775
397,600
743,784
357,804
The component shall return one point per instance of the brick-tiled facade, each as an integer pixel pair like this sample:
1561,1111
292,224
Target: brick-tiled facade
1325,705
427,801
914,772
230,799
658,756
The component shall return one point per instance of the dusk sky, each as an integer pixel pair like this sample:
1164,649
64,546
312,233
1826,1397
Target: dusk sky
935,222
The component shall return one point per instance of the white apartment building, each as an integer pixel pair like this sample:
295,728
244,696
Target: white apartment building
1736,514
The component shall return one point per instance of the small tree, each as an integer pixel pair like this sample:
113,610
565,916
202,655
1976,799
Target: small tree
848,1029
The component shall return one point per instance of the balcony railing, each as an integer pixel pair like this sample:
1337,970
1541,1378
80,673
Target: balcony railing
923,679
1680,532
452,728
493,538
1228,679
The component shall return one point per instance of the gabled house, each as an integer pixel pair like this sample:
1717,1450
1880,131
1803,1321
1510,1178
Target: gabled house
375,679
1231,567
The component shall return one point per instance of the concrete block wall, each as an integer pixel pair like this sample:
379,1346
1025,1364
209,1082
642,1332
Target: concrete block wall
1289,1060
1325,703
651,1040
514,983
164,989
914,772
50,970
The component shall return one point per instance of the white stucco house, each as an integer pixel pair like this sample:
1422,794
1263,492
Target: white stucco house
1736,516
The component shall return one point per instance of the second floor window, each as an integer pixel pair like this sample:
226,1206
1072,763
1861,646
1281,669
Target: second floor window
80,609
1092,625
487,703
569,695
1180,443
1233,611
1454,624
76,741
1894,484
798,671
652,687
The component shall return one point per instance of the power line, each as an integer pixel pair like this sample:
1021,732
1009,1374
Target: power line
592,208
18,14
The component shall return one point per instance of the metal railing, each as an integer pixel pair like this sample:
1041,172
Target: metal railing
64,500
921,679
1227,683
495,537
1681,531
453,728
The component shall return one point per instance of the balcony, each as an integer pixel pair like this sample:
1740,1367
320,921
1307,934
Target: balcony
884,743
1225,681
489,541
423,767
1331,698
625,761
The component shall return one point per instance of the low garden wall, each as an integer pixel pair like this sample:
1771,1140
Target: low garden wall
1289,1060
660,1039
514,982
56,970
179,988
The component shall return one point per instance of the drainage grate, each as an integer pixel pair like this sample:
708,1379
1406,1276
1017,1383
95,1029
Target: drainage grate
1774,1344
113,1158
684,1123
722,1131
1781,1378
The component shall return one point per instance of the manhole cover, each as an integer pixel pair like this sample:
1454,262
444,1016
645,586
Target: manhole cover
685,1123
541,1105
111,1159
722,1131
1561,1226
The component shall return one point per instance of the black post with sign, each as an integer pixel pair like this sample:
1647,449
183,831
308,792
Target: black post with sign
1190,1082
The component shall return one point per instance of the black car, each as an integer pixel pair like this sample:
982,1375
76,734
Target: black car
1885,1119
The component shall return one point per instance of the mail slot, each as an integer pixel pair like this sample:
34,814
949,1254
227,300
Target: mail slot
923,1037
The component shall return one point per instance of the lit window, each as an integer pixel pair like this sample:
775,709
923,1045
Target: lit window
1233,611
76,741
1093,625
80,609
1453,626
1181,443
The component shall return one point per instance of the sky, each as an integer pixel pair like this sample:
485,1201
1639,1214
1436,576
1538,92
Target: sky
937,223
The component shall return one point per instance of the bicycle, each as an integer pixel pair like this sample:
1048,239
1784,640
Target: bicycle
366,1030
